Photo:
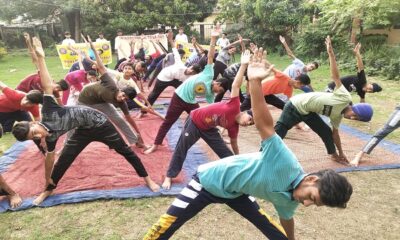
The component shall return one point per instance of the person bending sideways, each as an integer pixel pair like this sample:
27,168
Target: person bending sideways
5,190
298,67
105,96
203,122
279,84
184,98
274,175
392,124
16,106
89,124
173,75
357,83
306,108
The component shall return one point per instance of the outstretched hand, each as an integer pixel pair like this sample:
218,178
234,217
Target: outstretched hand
282,39
259,68
328,44
216,31
245,58
357,48
37,45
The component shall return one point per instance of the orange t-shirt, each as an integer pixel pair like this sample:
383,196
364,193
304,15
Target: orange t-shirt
279,84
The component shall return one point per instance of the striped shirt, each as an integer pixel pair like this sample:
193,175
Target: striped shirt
271,174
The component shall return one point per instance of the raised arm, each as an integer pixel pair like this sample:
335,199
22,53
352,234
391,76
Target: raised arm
79,54
45,78
242,43
332,61
257,70
31,50
214,34
288,51
237,82
100,66
360,64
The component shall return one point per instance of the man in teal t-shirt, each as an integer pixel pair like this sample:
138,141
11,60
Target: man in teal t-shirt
273,174
184,98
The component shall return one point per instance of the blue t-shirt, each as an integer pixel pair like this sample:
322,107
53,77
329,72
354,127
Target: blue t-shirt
271,174
197,85
295,69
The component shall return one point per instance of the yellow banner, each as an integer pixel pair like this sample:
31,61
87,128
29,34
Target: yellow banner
189,49
68,57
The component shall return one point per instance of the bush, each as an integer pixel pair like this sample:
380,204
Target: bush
3,50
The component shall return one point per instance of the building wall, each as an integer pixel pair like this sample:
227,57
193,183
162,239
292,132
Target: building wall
392,33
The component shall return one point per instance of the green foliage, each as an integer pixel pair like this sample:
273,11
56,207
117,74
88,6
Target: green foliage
383,60
3,50
136,16
271,18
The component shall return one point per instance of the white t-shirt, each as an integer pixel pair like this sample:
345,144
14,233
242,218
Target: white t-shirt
101,40
121,81
181,38
223,42
175,71
68,41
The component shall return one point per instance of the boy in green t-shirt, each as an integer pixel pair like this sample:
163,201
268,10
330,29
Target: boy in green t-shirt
308,106
273,174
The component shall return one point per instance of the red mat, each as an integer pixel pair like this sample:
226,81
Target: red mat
97,167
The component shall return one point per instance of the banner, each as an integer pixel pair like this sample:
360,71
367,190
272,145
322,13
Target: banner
69,57
189,49
129,43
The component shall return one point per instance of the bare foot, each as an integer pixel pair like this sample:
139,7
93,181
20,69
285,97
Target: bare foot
15,200
357,159
167,183
338,159
41,197
151,184
300,127
153,148
140,115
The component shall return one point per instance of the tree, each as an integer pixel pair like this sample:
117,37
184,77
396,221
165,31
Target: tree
265,20
110,15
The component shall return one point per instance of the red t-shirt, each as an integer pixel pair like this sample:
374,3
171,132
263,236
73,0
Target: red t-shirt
279,84
76,79
218,114
31,82
10,101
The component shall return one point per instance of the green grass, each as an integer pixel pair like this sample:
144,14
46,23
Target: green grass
371,214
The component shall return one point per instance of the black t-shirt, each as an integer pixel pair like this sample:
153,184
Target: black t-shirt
353,83
60,120
102,92
231,71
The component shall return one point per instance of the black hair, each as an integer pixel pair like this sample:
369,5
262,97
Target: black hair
35,96
316,64
224,82
304,79
197,68
20,130
130,64
181,52
63,85
92,73
376,87
334,189
130,92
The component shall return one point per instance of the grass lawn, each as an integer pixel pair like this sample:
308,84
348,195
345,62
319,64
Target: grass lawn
372,213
